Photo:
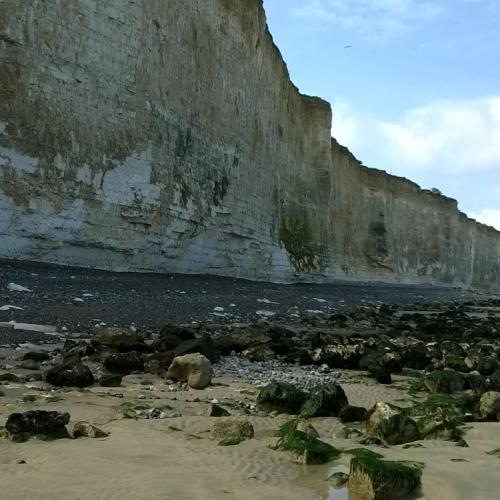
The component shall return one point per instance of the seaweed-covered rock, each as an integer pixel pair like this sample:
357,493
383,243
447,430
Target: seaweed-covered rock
445,381
85,429
195,369
281,397
70,373
493,381
121,339
232,432
489,406
352,414
110,380
124,363
373,479
455,363
380,363
324,401
37,423
441,426
306,448
389,424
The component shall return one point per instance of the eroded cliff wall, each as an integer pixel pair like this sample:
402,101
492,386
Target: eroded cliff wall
165,135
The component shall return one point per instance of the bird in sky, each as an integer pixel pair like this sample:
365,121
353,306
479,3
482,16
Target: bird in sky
347,46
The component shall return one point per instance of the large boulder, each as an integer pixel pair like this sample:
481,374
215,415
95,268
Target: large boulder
324,401
445,382
120,339
195,369
489,406
37,423
124,363
252,336
281,397
70,373
388,423
373,479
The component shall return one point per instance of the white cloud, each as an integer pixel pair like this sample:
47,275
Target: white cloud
452,136
489,216
373,18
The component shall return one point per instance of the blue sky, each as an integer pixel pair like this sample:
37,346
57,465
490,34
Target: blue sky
416,94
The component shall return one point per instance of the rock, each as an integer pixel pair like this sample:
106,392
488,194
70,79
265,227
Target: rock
171,336
455,363
373,479
489,406
352,414
440,426
124,363
232,432
259,353
10,377
487,365
38,356
446,382
110,380
120,339
298,424
380,363
158,363
306,448
324,401
493,381
414,353
252,336
216,410
79,348
389,424
338,479
203,345
37,423
195,369
29,365
71,373
84,429
339,355
281,397
307,428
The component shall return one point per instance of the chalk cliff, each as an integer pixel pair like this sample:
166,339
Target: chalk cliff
166,135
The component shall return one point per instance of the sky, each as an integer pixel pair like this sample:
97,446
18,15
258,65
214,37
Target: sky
414,86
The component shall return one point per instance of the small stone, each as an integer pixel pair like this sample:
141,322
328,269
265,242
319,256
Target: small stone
84,429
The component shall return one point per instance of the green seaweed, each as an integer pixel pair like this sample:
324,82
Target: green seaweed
386,477
287,428
363,452
298,238
308,449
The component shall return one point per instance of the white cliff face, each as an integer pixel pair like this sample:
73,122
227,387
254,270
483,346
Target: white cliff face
167,136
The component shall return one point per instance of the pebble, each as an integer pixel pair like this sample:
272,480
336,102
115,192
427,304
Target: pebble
261,373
